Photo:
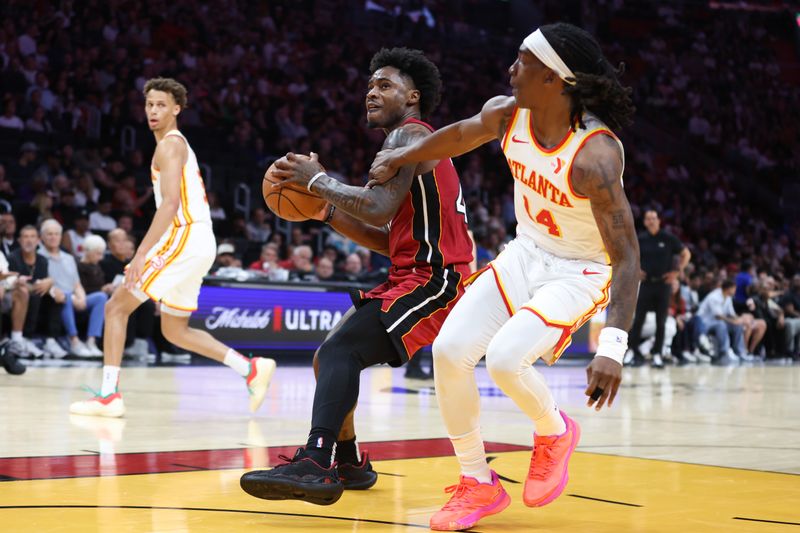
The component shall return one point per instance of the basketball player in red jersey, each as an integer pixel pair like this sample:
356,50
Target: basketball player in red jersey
575,250
419,221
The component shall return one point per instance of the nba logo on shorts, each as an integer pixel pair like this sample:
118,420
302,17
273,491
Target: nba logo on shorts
157,262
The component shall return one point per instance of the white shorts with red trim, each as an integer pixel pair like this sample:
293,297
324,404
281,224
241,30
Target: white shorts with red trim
176,265
563,293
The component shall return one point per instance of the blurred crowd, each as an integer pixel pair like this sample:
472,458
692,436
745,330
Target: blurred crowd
712,149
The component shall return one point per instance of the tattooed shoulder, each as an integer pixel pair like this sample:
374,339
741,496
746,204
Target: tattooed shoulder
597,170
405,135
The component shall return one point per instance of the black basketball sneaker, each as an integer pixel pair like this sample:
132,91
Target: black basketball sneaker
359,476
9,360
300,478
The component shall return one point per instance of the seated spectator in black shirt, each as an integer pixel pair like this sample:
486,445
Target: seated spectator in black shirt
33,300
120,250
91,273
791,307
766,309
226,257
302,268
6,189
353,269
8,234
66,210
324,269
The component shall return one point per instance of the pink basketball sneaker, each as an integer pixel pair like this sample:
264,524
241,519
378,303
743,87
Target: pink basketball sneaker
548,473
470,502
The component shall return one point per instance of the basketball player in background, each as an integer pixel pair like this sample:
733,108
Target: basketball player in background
575,247
171,261
419,221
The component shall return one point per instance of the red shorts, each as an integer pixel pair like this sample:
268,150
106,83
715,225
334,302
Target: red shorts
415,303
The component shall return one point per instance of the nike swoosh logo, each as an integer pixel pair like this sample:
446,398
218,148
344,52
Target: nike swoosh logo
587,272
514,139
558,165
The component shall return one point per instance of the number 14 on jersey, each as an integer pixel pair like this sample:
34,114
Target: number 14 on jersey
545,218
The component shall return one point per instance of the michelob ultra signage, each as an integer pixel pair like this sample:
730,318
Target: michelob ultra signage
270,317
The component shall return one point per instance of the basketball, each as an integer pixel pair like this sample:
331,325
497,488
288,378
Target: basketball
290,203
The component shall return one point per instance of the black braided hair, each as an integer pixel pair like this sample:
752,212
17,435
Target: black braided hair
420,69
597,87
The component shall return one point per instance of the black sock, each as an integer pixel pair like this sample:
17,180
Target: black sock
347,451
320,447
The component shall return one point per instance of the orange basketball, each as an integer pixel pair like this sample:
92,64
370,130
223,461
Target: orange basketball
290,203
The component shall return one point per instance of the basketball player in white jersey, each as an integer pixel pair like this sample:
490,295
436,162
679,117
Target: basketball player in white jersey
171,261
575,253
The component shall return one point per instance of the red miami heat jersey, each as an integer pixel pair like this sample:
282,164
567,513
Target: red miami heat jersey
430,228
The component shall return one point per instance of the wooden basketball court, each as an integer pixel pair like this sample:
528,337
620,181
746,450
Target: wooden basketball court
685,449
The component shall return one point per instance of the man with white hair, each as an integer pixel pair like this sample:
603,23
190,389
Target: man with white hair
64,271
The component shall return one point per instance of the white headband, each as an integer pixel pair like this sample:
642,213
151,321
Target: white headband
538,46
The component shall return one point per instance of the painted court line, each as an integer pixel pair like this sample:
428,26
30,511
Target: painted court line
70,466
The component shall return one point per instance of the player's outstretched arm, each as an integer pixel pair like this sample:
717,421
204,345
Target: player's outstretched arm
169,158
597,173
451,141
375,206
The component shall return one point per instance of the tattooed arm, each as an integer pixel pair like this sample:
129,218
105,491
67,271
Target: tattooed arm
376,206
453,140
374,238
597,173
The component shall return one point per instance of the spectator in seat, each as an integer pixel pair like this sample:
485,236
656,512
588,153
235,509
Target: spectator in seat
101,219
268,263
33,298
353,269
324,269
9,118
214,206
720,319
744,279
696,345
21,172
6,189
66,280
7,357
259,229
766,309
226,257
125,223
754,328
8,234
791,308
74,238
302,268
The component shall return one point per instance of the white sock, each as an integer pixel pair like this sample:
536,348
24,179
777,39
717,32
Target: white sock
551,423
472,456
237,362
110,380
16,336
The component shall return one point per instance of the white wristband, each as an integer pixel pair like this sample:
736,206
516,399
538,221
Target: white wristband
613,343
314,178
